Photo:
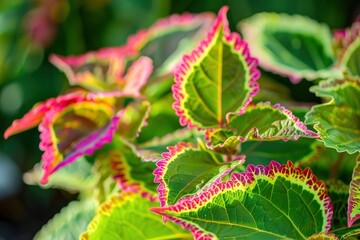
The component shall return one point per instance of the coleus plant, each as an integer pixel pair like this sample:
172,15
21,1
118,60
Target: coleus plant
235,167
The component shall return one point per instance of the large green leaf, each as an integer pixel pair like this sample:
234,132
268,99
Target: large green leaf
354,198
70,223
338,121
128,217
261,203
186,169
261,122
294,46
218,77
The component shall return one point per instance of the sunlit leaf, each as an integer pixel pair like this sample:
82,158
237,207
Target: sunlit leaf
260,122
294,46
128,217
264,202
166,40
70,223
353,213
218,77
186,169
337,121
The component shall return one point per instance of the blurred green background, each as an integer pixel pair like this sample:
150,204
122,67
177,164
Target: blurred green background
30,30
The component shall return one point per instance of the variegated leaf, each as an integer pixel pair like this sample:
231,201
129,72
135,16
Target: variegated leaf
264,202
218,77
293,46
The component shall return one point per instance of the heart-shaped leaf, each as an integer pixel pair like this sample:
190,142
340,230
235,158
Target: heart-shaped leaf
186,169
294,46
337,121
264,202
128,217
218,77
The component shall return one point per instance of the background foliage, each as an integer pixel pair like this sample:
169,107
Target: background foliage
31,30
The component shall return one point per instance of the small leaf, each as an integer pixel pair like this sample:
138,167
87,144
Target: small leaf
260,122
261,203
293,46
353,213
337,121
218,77
134,118
131,172
128,217
186,169
70,223
350,233
97,71
166,40
74,177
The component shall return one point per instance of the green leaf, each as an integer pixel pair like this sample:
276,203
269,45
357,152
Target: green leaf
127,216
350,233
75,177
353,213
261,122
264,202
186,169
70,223
218,77
294,46
338,121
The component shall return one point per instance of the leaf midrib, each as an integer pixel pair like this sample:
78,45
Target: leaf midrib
220,80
